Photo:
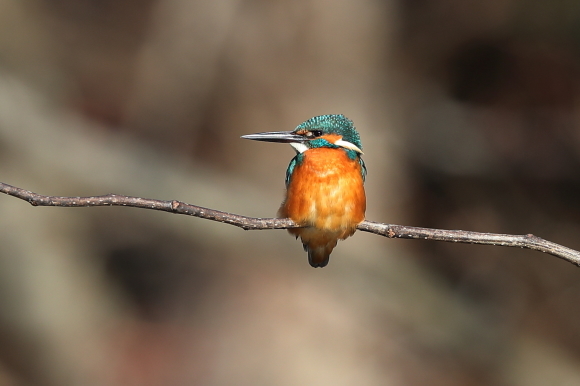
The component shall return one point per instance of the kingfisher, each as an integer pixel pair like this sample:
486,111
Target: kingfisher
325,192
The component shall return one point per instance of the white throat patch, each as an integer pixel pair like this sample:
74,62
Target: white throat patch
299,147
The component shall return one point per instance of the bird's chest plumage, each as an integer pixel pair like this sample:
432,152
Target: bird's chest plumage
326,191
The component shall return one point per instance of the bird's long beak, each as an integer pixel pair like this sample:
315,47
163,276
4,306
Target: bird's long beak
277,136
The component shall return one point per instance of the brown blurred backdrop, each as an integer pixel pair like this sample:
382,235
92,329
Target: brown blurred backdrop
468,113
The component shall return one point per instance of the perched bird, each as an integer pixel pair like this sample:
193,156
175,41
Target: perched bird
324,182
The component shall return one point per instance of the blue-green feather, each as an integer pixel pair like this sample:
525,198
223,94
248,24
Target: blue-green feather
363,169
321,142
297,160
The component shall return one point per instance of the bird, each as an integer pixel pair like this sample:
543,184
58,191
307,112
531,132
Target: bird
325,192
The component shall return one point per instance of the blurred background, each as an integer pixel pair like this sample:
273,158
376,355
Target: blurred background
469,115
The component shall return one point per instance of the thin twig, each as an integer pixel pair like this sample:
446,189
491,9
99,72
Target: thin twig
528,241
173,206
392,231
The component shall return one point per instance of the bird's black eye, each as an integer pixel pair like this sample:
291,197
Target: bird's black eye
315,133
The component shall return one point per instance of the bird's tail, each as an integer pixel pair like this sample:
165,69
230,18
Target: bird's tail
318,256
319,244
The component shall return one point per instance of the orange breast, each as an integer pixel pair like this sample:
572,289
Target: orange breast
326,192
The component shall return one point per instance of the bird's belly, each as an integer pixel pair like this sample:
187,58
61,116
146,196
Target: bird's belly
326,194
329,206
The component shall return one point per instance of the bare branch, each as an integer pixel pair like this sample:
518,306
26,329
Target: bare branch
177,207
528,241
392,231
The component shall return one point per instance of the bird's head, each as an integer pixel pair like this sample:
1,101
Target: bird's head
333,131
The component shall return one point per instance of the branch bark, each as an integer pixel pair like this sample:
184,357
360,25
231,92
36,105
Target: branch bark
392,231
